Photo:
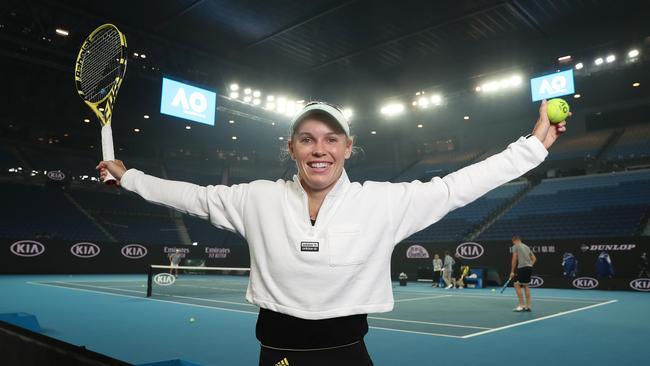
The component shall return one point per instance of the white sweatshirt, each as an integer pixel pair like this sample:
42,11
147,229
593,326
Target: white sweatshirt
341,265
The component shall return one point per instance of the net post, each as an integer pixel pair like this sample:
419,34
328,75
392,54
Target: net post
149,275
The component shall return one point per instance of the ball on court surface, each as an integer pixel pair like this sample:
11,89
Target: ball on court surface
558,110
493,290
192,320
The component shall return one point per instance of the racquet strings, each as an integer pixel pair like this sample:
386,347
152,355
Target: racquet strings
101,65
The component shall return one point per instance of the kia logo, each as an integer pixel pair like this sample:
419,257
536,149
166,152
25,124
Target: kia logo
469,250
585,283
27,248
56,175
536,281
85,250
164,279
640,284
134,251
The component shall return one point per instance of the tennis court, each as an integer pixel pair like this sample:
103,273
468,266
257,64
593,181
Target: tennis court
426,323
150,151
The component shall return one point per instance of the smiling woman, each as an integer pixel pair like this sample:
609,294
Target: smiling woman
319,144
321,245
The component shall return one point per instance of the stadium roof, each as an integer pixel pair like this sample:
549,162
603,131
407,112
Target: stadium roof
349,52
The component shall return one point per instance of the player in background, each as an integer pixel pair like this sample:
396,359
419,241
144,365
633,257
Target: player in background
523,261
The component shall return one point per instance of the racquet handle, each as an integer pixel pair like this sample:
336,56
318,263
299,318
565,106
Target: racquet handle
107,151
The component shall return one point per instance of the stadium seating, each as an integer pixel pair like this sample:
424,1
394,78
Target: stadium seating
377,173
203,232
459,223
128,217
634,143
32,211
248,172
118,203
437,165
605,205
580,147
46,159
141,229
8,160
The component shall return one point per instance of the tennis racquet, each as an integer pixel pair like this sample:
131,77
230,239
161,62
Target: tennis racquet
99,71
505,285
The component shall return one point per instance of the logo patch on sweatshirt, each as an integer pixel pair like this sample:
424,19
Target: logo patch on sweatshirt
308,246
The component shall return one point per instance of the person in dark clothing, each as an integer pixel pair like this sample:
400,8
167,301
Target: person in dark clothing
643,266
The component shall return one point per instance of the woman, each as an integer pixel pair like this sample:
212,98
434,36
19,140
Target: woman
437,268
320,246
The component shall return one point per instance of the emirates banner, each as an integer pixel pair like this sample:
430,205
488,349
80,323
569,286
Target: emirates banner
45,256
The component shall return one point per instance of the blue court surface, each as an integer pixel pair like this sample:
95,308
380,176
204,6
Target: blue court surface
110,314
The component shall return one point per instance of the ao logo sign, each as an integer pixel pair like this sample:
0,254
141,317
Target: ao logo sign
640,284
85,250
536,281
585,283
470,250
188,102
553,85
27,248
164,279
134,251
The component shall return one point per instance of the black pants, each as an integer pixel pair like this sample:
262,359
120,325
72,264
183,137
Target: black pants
436,277
352,355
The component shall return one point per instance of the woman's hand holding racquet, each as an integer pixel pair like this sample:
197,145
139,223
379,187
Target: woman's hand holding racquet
115,167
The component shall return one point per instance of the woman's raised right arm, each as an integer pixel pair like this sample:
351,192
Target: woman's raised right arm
221,205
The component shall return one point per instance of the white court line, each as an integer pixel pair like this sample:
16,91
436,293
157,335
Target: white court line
144,298
422,298
415,332
537,319
428,323
143,281
214,288
216,308
210,300
86,283
510,298
568,299
63,283
167,295
372,327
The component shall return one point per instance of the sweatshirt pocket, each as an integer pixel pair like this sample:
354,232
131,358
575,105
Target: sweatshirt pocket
345,246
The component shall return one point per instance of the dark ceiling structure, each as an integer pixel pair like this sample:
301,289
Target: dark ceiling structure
354,52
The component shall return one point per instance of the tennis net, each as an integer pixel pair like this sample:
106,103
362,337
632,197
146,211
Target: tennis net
197,281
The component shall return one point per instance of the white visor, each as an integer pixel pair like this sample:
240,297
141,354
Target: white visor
333,111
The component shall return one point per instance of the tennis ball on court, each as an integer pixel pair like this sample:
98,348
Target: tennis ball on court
493,290
557,109
192,320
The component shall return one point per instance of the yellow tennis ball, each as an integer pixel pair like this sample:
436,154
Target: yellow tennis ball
557,109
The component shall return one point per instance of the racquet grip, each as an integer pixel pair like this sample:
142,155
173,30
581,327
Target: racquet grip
107,150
